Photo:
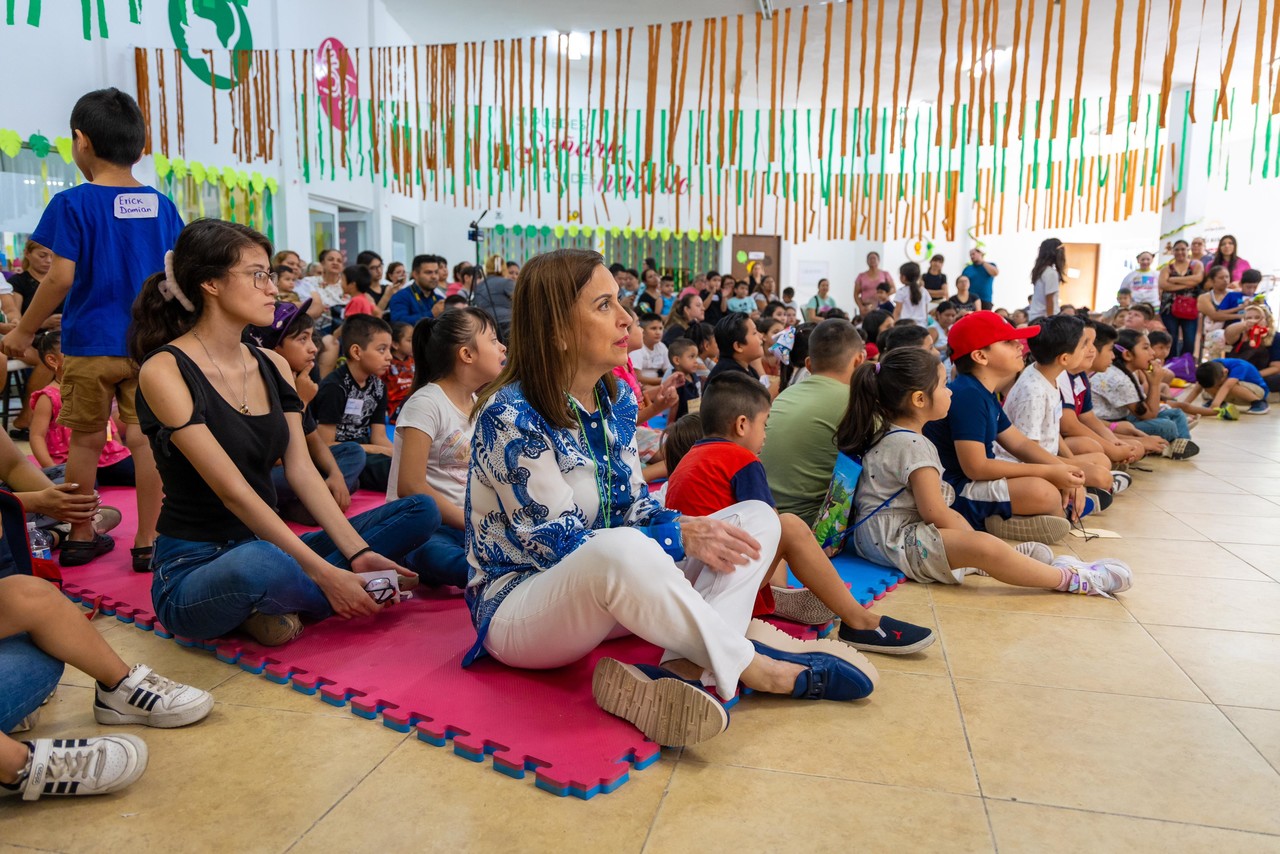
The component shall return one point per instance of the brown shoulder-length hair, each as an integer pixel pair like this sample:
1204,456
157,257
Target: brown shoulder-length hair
543,351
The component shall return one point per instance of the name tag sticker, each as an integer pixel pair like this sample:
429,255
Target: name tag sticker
137,206
355,407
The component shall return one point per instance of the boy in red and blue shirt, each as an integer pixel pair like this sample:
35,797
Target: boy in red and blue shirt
724,469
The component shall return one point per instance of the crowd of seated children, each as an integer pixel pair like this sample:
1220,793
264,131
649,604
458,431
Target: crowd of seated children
722,469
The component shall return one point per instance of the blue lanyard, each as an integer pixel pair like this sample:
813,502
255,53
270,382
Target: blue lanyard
602,477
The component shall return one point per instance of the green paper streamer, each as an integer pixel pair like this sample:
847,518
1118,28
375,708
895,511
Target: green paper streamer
8,11
488,148
795,157
884,121
102,18
964,137
135,10
33,13
86,20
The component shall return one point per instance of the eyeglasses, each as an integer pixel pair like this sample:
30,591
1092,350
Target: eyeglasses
380,590
260,278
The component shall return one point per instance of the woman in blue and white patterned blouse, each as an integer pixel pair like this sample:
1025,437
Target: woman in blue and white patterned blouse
567,549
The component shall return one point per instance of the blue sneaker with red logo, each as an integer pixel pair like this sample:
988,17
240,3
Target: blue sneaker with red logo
891,637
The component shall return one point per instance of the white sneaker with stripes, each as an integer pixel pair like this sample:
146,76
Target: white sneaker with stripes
145,697
80,766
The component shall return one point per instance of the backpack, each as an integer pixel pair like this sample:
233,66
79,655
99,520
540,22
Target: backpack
832,528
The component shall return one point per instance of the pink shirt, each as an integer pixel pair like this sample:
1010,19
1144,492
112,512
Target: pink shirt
627,373
58,438
865,286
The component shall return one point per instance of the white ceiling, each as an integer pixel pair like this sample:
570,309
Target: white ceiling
484,20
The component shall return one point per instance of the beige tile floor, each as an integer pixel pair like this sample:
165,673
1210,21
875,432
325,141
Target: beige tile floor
1038,722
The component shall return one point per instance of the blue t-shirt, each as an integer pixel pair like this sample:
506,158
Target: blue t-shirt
975,416
979,281
1245,372
1233,299
117,237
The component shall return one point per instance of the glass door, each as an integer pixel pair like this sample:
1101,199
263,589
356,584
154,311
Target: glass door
323,228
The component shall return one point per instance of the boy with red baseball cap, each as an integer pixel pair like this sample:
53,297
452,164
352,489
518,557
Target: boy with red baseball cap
1027,500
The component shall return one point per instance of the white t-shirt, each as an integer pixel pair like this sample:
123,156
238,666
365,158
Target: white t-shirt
430,410
654,361
1034,405
1113,393
1047,284
918,312
313,287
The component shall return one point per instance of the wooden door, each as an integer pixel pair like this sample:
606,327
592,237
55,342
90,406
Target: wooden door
1081,286
752,250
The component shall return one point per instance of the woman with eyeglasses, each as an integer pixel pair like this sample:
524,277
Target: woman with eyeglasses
219,414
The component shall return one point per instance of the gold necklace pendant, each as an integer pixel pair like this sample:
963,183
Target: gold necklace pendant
244,409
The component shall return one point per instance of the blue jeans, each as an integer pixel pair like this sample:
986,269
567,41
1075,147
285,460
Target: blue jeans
205,590
1183,333
27,676
1170,424
350,458
443,559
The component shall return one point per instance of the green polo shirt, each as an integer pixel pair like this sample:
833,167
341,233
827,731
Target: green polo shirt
799,454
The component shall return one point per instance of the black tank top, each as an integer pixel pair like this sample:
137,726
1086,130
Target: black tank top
191,509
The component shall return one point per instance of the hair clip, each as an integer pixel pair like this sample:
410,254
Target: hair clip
1120,348
169,287
877,367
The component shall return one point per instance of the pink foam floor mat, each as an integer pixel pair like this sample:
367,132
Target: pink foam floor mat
405,666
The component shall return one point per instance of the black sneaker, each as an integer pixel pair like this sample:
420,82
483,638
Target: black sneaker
891,637
1101,497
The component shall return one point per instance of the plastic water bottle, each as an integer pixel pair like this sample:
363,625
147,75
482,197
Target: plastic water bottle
41,543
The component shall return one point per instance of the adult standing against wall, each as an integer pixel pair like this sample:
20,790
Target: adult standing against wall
1228,255
1181,277
864,286
935,281
981,274
494,293
1046,279
1200,253
1142,281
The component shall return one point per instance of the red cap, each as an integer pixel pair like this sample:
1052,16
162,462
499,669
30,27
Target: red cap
980,329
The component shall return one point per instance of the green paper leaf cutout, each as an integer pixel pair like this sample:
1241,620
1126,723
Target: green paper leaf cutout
179,168
163,166
545,231
665,234
499,229
64,145
517,230
573,231
242,180
626,232
559,231
615,231
273,185
10,142
213,173
40,146
257,182
586,231
197,172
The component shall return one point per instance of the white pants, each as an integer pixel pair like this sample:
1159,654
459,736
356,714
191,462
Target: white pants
621,582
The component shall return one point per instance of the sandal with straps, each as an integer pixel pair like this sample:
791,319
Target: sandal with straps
142,558
80,552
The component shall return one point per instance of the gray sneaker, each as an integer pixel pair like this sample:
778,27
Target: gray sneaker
81,766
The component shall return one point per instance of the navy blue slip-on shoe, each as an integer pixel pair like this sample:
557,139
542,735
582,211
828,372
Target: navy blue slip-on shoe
668,709
892,637
825,677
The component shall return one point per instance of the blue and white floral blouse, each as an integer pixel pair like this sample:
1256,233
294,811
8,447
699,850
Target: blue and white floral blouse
533,495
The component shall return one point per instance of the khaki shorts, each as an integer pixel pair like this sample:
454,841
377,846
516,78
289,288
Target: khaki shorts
1255,388
89,384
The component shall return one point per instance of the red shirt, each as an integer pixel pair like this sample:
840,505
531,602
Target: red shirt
399,382
716,474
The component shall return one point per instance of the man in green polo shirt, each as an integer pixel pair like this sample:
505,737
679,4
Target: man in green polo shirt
799,453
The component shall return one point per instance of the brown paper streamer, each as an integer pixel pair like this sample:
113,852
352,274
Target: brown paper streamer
724,70
1026,63
143,79
1275,30
1171,48
1226,70
1257,49
942,69
1084,30
991,77
1062,50
844,108
987,44
974,58
1044,59
875,91
1139,48
737,93
915,52
826,70
862,69
958,61
163,101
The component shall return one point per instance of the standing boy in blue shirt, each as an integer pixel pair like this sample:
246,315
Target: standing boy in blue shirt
1015,500
107,236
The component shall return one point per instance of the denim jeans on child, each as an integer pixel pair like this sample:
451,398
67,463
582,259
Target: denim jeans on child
350,458
205,590
443,559
1170,424
27,676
